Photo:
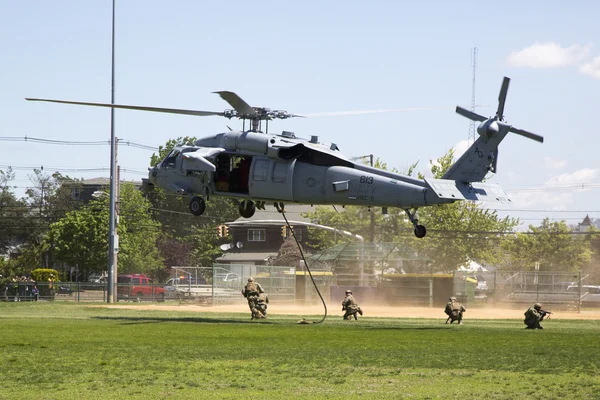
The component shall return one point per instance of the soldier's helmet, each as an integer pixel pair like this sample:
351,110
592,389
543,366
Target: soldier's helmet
250,279
452,299
348,291
537,306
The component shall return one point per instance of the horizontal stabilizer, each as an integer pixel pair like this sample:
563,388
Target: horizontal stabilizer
475,191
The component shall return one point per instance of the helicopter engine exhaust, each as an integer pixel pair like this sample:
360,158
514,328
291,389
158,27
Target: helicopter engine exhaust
247,141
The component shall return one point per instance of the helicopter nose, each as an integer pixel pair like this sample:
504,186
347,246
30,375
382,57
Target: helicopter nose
152,174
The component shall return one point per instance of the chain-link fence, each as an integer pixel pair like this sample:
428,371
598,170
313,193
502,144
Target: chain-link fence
563,289
46,291
228,280
223,283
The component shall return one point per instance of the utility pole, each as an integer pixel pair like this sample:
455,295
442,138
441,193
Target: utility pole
117,212
112,277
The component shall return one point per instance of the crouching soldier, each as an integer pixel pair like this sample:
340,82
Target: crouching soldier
454,310
251,292
533,316
350,306
261,305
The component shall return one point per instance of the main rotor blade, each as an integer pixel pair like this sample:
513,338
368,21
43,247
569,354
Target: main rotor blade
469,114
237,103
502,98
529,135
363,112
140,108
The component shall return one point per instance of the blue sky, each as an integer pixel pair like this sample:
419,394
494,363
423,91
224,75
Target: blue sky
311,57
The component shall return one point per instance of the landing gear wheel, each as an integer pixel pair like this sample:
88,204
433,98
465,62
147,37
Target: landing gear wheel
197,206
420,231
247,208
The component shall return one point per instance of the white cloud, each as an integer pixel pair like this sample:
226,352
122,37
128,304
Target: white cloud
557,193
460,148
552,163
582,176
548,55
592,68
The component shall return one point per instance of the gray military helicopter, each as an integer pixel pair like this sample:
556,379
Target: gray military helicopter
258,167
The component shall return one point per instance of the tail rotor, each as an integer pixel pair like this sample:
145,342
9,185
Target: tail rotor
490,126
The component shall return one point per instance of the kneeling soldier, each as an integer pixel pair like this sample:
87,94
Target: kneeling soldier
454,310
534,315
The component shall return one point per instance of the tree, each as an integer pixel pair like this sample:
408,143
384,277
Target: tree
289,254
48,199
551,244
11,213
81,238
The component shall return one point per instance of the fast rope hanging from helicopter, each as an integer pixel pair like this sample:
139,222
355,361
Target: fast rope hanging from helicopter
281,209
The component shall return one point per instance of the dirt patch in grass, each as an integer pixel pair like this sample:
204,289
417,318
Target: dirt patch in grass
370,311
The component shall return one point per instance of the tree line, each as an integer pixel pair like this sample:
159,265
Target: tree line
47,227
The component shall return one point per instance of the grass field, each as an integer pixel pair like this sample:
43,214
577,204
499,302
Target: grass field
74,351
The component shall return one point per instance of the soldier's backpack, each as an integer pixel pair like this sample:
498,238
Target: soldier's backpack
456,306
252,288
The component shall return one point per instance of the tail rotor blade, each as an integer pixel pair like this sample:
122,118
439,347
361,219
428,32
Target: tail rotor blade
529,135
469,114
502,98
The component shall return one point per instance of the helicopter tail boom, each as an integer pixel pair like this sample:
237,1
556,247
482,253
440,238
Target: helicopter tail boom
479,159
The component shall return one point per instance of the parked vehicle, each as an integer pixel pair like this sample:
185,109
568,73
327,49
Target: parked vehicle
185,282
138,287
228,277
180,288
98,278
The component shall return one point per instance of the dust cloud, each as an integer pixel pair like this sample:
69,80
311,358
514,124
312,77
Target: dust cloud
369,311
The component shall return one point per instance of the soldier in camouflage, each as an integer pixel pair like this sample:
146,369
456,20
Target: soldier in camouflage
454,310
533,317
251,292
350,306
261,305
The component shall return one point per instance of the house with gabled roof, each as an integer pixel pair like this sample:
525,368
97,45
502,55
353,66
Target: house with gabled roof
254,240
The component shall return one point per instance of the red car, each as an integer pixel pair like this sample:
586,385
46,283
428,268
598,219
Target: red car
138,287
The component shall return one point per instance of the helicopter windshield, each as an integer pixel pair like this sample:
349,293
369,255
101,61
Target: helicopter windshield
169,161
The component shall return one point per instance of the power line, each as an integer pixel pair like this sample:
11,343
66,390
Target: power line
124,142
69,169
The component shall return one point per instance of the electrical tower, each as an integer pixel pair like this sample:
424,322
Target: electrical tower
472,128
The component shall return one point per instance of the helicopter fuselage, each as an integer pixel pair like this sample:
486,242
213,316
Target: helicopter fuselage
295,171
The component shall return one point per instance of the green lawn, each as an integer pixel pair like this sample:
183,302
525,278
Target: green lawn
73,351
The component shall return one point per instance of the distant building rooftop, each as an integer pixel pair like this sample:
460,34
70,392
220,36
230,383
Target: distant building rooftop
102,181
253,257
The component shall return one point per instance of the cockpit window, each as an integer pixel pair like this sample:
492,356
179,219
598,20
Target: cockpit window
169,161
